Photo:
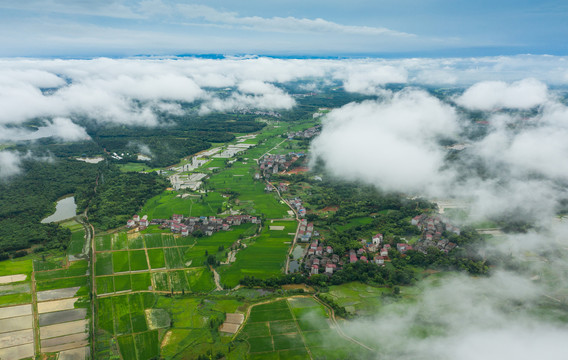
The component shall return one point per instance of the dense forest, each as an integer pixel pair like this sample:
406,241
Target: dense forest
30,197
121,195
27,199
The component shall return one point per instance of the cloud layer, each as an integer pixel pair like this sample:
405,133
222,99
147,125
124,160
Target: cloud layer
391,143
394,142
9,164
490,95
131,91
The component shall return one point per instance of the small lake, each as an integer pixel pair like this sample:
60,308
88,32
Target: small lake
65,209
298,252
293,266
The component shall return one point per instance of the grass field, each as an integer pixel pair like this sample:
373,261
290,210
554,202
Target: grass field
353,223
263,258
136,167
163,206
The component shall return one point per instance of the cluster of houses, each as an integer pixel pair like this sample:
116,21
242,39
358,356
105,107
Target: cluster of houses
297,204
321,260
376,246
136,221
272,164
186,225
306,231
432,228
305,134
259,113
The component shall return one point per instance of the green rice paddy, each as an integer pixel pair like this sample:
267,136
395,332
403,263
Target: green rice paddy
263,258
288,329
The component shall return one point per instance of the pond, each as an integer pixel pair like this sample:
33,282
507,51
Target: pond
297,253
65,209
294,266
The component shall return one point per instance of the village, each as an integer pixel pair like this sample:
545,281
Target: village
306,134
198,226
321,259
273,164
433,229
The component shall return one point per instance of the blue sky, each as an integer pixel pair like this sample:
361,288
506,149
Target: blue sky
71,28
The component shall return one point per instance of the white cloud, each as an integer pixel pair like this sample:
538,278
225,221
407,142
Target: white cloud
489,95
9,164
370,78
59,128
391,143
465,318
252,94
282,24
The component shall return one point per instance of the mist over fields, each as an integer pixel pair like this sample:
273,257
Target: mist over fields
508,114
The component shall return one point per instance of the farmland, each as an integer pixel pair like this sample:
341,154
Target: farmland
59,283
358,298
61,289
295,328
154,294
262,258
147,262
